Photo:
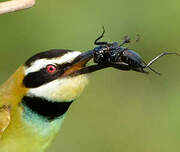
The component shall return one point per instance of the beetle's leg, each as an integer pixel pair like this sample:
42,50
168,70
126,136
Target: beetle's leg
137,38
158,73
157,57
100,37
145,66
127,39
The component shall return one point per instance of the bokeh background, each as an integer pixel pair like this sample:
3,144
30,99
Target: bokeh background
118,111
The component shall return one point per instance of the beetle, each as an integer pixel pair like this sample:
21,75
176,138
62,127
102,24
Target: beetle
108,54
119,57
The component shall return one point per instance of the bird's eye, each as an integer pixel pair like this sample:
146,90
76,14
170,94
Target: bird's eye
51,69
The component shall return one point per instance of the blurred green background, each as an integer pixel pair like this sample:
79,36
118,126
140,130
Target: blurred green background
118,111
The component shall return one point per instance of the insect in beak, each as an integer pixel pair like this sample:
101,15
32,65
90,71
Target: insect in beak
116,56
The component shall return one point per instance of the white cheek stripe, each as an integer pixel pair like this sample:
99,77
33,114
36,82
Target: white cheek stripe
64,89
42,63
46,90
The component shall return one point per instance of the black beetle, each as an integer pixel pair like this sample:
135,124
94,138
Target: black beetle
116,56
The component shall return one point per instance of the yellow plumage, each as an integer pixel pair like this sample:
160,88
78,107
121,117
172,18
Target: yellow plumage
26,135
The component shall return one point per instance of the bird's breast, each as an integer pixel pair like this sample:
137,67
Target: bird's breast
29,132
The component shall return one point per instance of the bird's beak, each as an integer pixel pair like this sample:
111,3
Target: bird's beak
79,67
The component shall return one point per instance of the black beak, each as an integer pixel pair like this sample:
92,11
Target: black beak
81,61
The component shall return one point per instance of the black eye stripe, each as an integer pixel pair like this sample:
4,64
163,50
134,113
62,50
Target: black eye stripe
38,78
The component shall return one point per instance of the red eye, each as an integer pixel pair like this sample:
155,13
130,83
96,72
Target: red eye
51,69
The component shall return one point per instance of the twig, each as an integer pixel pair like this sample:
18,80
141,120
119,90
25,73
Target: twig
15,5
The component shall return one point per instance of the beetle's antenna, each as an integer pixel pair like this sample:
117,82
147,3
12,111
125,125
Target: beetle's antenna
157,57
100,37
127,39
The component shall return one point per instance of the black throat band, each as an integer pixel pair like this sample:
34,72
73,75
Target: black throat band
48,109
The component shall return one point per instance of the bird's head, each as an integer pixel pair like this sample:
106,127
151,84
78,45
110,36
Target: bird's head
49,75
48,82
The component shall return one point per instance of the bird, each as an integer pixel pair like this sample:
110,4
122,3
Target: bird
34,101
